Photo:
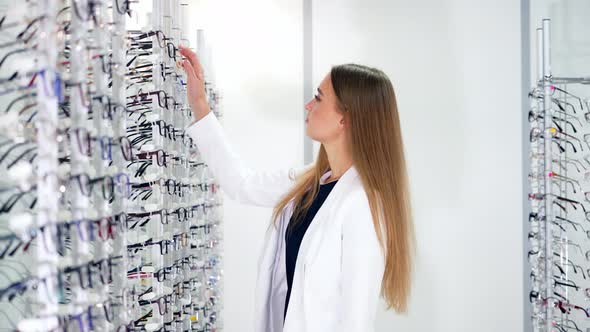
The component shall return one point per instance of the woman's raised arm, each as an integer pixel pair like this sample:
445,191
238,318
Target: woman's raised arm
240,182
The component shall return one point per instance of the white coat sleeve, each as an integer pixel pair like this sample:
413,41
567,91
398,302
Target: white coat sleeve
362,266
237,180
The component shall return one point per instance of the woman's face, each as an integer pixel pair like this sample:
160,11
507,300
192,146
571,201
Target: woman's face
325,122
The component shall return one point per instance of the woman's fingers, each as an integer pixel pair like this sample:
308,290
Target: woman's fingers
188,68
195,86
194,61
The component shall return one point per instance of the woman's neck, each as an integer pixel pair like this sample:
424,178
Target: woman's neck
339,158
329,180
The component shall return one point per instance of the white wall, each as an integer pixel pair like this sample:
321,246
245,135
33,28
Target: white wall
456,68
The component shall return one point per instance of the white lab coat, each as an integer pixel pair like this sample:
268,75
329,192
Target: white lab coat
337,278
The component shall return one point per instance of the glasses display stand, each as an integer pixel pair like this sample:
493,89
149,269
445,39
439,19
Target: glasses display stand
109,219
559,246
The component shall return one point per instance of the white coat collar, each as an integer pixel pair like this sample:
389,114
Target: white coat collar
351,172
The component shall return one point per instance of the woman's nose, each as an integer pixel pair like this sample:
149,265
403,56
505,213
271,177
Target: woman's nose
309,105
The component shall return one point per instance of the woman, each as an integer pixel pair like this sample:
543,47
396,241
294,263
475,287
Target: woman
352,205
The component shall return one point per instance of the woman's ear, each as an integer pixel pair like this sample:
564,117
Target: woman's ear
343,120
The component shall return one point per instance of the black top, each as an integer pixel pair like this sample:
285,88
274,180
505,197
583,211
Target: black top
294,237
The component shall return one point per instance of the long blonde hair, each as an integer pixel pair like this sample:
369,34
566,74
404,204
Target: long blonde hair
367,100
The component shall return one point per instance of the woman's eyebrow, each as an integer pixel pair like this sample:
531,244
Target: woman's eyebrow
320,91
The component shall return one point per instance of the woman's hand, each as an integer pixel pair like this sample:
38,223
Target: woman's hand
195,84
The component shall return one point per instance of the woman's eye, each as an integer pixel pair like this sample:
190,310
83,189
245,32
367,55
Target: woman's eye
317,97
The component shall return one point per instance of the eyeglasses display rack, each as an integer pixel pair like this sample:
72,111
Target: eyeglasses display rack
109,218
559,178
